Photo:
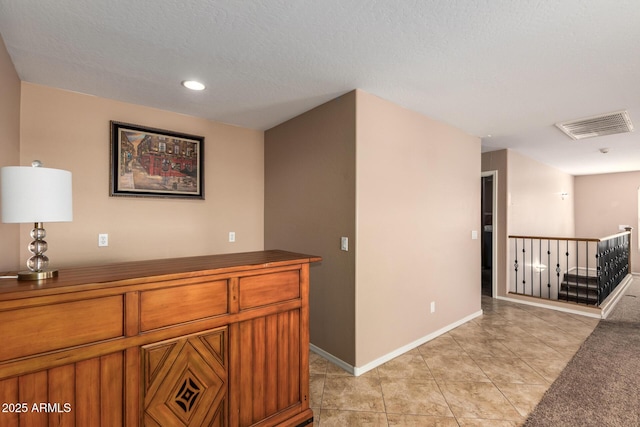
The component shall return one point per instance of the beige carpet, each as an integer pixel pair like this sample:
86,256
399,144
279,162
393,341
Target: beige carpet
628,309
600,386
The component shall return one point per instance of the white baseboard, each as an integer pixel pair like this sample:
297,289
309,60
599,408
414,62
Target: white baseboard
331,358
357,371
550,307
605,309
615,297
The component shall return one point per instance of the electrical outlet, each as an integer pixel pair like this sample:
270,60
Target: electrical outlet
232,236
103,240
433,306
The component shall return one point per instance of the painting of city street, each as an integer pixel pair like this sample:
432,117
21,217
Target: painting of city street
147,162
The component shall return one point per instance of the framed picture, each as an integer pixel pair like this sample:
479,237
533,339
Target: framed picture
147,162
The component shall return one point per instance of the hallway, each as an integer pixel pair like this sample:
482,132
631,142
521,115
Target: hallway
491,371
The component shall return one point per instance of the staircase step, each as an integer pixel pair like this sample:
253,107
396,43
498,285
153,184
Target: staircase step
584,287
579,287
580,278
581,297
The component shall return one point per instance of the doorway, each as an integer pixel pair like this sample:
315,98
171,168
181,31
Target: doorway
488,223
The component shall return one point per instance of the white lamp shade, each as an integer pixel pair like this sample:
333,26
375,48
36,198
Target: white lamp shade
35,194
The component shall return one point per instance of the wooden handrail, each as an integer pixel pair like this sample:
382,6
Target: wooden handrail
613,236
572,239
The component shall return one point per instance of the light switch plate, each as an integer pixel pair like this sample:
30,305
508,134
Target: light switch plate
344,244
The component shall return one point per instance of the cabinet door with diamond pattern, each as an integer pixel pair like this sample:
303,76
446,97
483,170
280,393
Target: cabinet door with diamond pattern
186,381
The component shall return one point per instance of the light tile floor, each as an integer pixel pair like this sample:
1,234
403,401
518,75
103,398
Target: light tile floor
491,371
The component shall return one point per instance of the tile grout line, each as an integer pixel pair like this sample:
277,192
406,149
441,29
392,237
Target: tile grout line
503,322
488,377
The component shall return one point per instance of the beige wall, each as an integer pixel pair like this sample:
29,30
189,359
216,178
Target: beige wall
534,203
310,204
70,131
10,149
497,161
418,200
406,191
603,202
534,206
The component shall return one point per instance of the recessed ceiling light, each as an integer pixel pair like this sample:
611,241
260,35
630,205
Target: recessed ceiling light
193,85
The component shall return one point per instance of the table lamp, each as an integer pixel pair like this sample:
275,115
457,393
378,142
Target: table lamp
36,195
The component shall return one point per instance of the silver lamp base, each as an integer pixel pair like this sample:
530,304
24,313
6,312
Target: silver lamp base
37,275
39,262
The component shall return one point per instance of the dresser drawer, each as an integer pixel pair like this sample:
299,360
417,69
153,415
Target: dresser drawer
256,291
34,330
170,306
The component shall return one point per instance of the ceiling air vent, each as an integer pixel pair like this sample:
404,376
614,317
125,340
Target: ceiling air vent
605,124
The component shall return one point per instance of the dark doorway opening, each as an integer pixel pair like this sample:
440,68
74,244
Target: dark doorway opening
487,235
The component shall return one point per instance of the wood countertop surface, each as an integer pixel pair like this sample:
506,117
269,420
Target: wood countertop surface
139,272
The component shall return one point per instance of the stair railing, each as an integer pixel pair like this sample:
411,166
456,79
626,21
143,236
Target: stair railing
614,262
576,270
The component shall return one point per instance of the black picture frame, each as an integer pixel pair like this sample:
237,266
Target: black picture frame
150,162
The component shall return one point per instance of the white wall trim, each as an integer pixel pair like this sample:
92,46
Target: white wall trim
605,308
357,371
551,307
331,358
617,294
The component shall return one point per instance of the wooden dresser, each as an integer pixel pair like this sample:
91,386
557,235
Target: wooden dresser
219,340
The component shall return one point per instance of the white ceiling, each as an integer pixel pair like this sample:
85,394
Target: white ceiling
508,68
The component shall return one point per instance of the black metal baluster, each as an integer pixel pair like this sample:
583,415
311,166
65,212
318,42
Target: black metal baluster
549,269
605,271
558,266
567,264
587,273
516,263
531,267
598,274
540,268
577,244
524,268
627,253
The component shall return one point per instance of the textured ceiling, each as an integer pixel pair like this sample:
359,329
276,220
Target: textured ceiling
510,68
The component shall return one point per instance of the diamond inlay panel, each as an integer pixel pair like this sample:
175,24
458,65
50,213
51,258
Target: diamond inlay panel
187,387
187,395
